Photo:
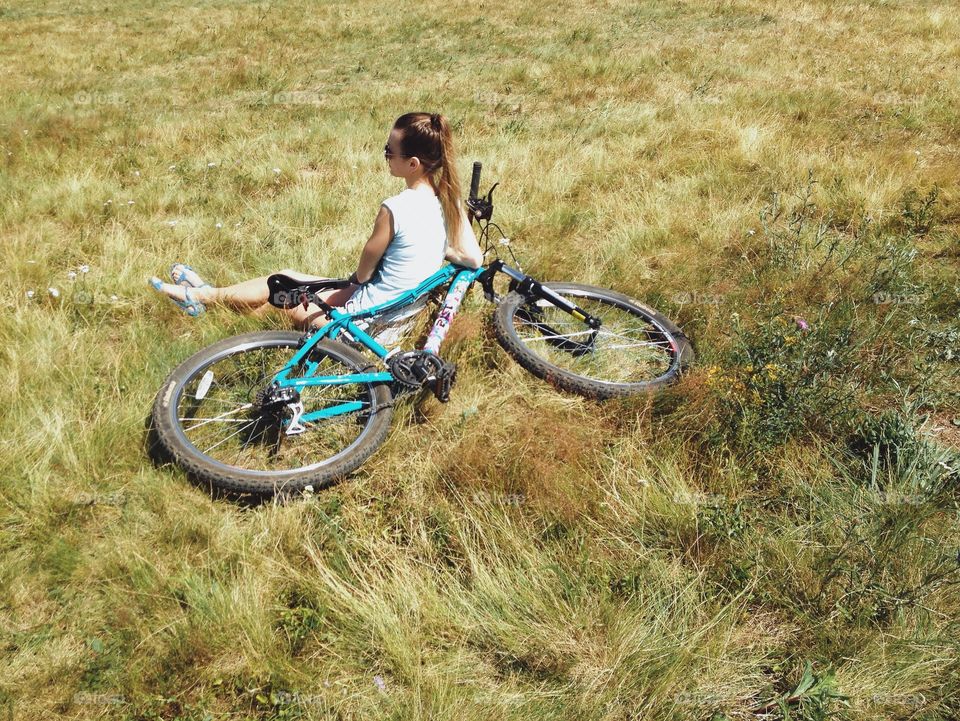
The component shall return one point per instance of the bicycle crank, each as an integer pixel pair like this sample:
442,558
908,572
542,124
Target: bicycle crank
417,369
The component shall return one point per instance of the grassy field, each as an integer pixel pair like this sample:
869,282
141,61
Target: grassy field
776,537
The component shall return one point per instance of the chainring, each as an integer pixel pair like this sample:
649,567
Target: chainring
411,368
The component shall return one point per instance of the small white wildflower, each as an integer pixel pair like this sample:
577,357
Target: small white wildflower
276,170
24,132
137,173
237,225
54,292
211,165
171,223
114,298
71,275
751,232
129,202
504,241
219,225
84,268
32,262
916,152
172,167
31,293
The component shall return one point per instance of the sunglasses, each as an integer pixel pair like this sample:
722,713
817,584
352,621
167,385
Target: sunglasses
387,153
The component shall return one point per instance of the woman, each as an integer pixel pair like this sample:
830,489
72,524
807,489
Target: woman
413,232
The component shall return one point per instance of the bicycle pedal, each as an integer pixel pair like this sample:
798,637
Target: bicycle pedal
443,381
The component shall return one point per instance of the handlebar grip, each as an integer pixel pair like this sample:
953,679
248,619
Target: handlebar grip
475,180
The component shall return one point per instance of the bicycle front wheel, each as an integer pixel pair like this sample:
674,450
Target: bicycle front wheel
216,419
635,349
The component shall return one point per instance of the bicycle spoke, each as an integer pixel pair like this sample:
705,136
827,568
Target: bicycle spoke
609,333
631,345
636,342
221,418
248,423
600,333
564,336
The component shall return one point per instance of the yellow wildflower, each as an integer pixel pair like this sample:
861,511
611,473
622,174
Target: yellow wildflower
714,375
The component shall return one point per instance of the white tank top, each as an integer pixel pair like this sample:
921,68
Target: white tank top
415,252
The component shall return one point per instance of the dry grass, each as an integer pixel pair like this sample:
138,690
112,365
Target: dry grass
515,553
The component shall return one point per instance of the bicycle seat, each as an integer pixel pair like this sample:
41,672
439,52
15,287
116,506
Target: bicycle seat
286,292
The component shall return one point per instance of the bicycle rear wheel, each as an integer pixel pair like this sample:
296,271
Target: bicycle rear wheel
215,418
635,350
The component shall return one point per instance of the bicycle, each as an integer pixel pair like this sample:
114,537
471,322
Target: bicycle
280,411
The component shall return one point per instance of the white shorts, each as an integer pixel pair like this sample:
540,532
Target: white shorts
354,302
367,296
388,328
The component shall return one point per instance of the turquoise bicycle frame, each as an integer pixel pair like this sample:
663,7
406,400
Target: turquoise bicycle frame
340,322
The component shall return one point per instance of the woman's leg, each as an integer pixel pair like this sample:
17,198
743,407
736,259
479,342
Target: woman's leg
253,296
312,316
248,295
245,296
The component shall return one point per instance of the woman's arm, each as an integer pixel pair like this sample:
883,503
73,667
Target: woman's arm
376,245
469,254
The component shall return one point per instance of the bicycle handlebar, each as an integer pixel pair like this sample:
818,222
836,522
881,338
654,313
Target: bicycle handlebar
480,208
475,180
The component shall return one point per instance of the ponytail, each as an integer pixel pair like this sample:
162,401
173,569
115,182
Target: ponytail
448,184
428,137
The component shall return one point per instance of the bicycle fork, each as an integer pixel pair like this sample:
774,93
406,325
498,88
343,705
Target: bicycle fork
530,287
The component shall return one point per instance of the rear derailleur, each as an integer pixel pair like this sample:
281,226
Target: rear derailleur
277,404
417,369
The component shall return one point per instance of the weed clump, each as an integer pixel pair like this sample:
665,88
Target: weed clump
783,378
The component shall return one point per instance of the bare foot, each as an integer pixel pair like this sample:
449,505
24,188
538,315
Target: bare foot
188,276
179,292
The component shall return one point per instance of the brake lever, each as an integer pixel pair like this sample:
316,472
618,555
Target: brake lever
482,208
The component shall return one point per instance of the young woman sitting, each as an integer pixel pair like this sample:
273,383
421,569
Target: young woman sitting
413,233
